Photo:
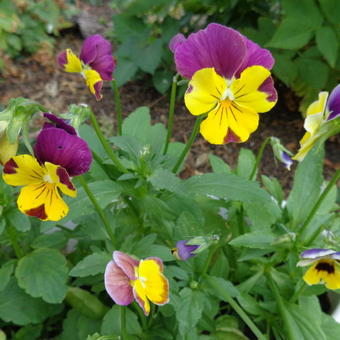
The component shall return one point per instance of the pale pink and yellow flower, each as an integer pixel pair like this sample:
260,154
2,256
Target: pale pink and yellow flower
128,279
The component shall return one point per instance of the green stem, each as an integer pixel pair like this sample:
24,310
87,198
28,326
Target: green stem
97,208
259,158
282,309
12,235
208,260
298,292
316,206
105,144
189,143
241,313
123,332
118,106
171,113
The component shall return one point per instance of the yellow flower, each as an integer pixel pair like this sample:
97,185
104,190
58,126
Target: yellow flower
40,195
232,105
324,269
7,149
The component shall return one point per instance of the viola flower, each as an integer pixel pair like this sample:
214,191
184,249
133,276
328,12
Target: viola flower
324,269
58,143
40,196
7,149
127,279
281,153
95,62
184,251
321,121
229,80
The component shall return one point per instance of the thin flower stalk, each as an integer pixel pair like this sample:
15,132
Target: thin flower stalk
118,107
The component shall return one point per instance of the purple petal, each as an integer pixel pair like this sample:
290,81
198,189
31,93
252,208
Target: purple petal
184,250
287,161
61,59
333,103
256,55
231,137
268,87
97,53
117,284
126,263
176,41
216,46
316,253
97,88
59,123
57,146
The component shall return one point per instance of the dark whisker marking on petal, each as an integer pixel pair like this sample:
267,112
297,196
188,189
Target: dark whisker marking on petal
36,173
51,196
215,96
232,113
41,192
240,89
235,107
218,91
39,187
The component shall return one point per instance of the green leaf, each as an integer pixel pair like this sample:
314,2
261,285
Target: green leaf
273,186
111,322
105,191
189,308
218,165
306,186
18,307
162,80
165,179
285,68
260,207
43,273
54,240
328,44
6,271
306,11
29,332
125,71
331,8
245,164
291,34
18,220
86,303
221,287
91,265
255,239
150,56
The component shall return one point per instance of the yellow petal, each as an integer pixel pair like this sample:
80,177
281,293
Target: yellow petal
319,105
60,177
92,77
204,92
22,170
333,281
140,295
42,200
245,89
73,63
312,276
306,144
156,284
313,122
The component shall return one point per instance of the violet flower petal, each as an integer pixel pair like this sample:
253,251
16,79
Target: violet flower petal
59,123
62,59
176,41
268,87
256,55
184,250
216,46
59,147
333,103
97,53
117,285
287,161
316,253
126,263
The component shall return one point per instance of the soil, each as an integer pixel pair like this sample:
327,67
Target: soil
37,77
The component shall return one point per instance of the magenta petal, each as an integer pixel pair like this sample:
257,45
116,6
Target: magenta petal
333,103
176,41
231,137
59,123
268,87
61,59
117,285
216,46
61,148
126,263
256,55
97,53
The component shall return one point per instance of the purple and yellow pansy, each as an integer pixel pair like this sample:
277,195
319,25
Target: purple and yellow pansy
319,121
324,267
59,154
95,62
128,279
230,81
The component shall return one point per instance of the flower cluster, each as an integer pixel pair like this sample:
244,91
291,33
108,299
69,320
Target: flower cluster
59,155
229,81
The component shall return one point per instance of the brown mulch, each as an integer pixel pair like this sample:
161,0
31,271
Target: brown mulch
37,77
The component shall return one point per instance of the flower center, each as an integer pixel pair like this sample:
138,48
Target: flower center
47,178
